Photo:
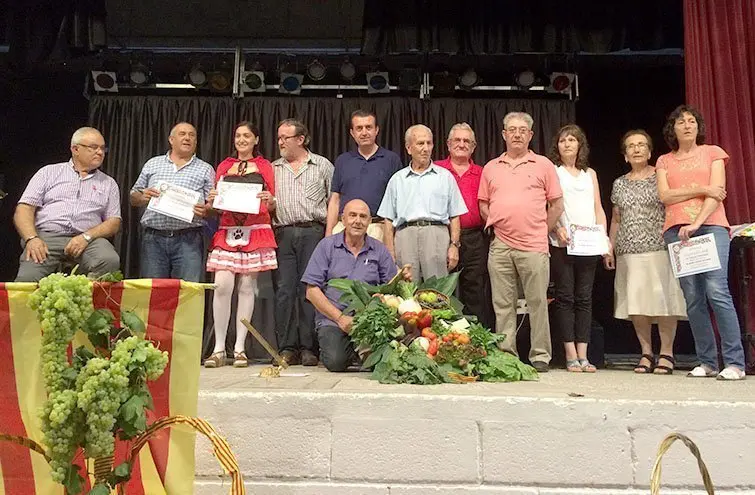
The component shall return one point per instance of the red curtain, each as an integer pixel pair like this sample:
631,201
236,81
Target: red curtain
719,51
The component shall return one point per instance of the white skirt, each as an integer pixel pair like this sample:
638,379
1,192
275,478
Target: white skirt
646,286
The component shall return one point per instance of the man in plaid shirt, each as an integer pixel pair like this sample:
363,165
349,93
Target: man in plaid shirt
173,248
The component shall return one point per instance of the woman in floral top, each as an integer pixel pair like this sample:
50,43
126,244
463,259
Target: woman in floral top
645,290
692,185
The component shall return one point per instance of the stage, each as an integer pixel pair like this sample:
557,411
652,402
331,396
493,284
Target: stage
566,434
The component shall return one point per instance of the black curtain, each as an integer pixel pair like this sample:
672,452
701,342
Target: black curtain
495,26
137,127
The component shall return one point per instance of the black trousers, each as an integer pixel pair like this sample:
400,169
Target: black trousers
572,309
294,315
474,281
336,350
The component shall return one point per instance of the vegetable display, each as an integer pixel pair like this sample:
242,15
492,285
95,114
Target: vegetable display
418,334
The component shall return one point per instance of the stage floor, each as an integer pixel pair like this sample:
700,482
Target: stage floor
569,433
605,384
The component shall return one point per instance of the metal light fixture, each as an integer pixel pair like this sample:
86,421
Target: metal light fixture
561,82
290,83
220,82
139,74
347,70
377,82
525,79
316,70
105,81
469,79
197,76
253,81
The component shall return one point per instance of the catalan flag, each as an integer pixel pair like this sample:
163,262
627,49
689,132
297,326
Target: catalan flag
172,311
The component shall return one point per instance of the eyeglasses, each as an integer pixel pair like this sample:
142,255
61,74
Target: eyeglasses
518,130
94,147
286,138
638,146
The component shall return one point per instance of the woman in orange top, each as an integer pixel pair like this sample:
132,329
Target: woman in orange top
692,185
243,246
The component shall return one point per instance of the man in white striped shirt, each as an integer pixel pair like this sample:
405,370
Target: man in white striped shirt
302,188
68,211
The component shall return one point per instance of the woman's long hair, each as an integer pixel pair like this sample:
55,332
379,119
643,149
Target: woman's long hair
584,149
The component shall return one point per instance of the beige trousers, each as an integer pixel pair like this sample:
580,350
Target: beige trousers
374,230
505,264
425,248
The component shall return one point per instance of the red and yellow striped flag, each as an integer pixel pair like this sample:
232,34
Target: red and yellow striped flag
173,312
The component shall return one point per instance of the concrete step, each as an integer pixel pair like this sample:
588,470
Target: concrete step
568,433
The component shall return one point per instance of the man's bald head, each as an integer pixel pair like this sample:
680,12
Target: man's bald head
356,217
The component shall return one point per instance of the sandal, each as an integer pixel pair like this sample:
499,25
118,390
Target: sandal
573,366
642,369
587,366
216,360
702,371
731,373
240,360
662,369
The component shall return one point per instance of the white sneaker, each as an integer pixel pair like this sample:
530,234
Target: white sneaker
731,373
702,371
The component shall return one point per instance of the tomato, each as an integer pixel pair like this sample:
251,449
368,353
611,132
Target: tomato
447,338
463,339
426,333
433,349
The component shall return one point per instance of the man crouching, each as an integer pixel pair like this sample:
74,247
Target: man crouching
349,254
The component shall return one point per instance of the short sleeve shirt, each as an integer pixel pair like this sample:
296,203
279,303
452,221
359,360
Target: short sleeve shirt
692,171
469,185
517,191
358,178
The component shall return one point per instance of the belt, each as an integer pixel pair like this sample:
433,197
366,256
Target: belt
302,225
419,223
172,233
377,220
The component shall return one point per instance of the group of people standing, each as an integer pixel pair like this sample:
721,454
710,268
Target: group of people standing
503,225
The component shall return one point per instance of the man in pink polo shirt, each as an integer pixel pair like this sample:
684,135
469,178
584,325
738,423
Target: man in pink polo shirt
474,283
514,191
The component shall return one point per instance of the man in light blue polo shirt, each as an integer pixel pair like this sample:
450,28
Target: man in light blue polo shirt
422,204
362,174
173,248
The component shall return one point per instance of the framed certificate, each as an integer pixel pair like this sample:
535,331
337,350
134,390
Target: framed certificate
696,255
587,240
175,201
239,197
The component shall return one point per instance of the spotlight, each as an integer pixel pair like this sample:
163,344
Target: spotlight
469,79
253,81
104,81
139,74
377,82
561,82
444,83
290,83
316,70
220,82
348,71
197,77
409,80
525,79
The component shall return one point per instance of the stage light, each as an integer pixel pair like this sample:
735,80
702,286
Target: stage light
220,82
469,79
525,79
377,82
104,81
316,70
444,83
561,82
197,76
139,74
290,83
253,81
409,80
348,71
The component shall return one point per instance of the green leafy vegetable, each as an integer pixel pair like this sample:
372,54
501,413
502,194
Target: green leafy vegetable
445,285
401,364
406,289
73,481
500,366
482,337
376,325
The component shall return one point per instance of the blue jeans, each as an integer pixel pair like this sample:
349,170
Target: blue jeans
712,288
178,256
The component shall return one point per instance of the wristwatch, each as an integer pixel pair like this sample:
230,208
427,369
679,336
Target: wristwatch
86,237
456,243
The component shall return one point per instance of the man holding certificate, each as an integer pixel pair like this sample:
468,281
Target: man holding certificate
174,188
514,191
